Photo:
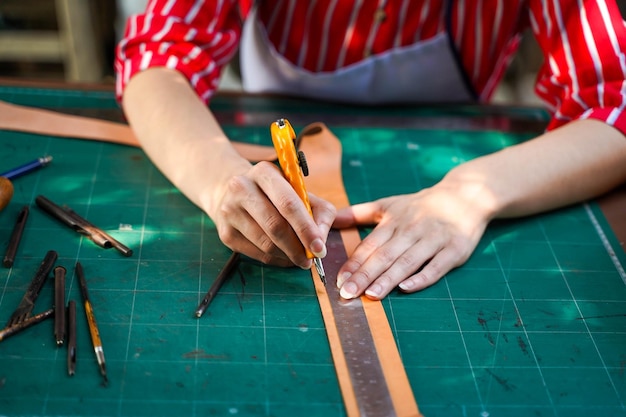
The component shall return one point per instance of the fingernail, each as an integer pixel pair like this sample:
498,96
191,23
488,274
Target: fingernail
342,278
407,285
318,248
348,291
374,291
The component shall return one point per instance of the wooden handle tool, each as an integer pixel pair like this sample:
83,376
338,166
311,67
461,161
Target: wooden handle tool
6,192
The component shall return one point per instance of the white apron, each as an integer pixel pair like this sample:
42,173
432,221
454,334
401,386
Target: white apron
425,72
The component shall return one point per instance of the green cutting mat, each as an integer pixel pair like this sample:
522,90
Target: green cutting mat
533,325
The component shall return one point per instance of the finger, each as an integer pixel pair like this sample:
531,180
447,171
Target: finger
433,271
323,215
256,217
271,233
249,214
414,258
389,264
240,233
293,210
370,259
246,247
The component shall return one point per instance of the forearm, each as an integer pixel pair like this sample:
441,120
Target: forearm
571,164
181,135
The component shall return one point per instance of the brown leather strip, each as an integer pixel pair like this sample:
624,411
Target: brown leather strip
51,123
323,153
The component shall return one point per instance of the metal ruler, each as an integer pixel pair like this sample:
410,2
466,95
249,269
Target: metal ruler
357,343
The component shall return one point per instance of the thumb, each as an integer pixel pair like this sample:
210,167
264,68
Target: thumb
359,215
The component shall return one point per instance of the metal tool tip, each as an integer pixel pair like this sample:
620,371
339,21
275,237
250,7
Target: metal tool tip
320,269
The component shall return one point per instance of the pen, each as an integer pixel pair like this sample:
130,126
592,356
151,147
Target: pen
59,304
221,277
25,324
26,168
16,237
294,167
91,321
71,337
25,307
81,225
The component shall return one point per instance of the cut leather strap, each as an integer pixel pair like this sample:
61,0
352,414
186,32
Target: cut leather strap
323,153
51,123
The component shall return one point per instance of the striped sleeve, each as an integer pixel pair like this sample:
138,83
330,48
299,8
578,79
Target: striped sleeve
195,37
584,44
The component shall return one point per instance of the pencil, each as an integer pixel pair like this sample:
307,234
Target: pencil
26,168
91,321
71,337
59,304
224,273
16,237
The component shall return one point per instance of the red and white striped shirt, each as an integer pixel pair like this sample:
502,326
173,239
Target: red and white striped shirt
583,42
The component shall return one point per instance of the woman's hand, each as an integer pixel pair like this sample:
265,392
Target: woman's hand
418,238
422,236
260,215
256,211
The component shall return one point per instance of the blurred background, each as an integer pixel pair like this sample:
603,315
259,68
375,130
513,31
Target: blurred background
74,40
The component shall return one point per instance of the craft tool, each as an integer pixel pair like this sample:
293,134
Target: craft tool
26,168
71,337
16,237
91,321
231,263
6,192
295,168
59,304
70,218
25,307
25,324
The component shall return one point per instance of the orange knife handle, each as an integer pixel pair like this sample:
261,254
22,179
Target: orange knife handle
283,138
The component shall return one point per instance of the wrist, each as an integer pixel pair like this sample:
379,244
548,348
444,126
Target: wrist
472,188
